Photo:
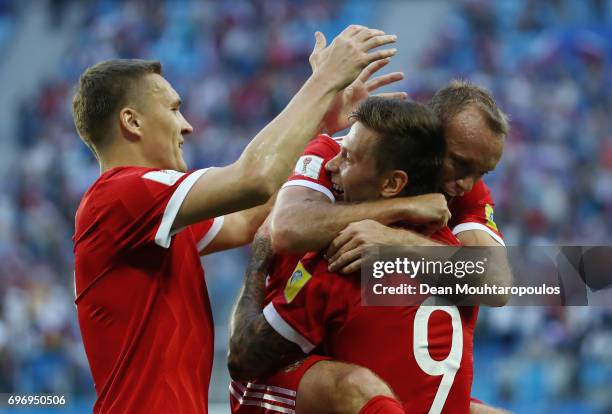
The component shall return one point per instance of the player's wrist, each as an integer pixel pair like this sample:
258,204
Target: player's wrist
323,83
401,237
397,209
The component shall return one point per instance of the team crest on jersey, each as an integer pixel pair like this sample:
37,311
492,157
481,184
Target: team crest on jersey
296,282
309,166
489,216
167,177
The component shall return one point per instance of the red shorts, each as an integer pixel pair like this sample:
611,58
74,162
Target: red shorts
274,394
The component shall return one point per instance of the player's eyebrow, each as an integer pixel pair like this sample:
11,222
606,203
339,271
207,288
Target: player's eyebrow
177,102
461,158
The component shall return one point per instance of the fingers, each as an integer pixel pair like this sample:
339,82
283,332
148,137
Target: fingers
372,68
383,80
366,34
379,40
368,38
393,95
340,240
320,42
346,261
381,54
347,247
353,29
345,258
352,267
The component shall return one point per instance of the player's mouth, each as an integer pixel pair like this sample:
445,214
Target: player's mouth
337,190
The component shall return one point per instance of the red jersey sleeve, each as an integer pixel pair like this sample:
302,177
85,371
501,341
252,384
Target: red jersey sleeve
205,231
310,302
140,205
310,169
474,211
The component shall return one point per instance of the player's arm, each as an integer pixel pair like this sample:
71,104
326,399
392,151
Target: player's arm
498,260
255,348
267,160
480,408
345,251
345,255
474,225
297,208
239,228
477,238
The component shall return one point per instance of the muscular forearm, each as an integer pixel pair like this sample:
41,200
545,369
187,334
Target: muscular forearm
255,349
273,152
293,230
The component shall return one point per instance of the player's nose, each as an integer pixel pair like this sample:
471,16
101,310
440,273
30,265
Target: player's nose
186,128
332,165
465,184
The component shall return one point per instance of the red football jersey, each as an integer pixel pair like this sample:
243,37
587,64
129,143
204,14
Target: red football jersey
310,169
424,353
141,299
310,172
472,211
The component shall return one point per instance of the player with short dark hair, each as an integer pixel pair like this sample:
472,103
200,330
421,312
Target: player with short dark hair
102,90
393,121
142,303
262,344
306,199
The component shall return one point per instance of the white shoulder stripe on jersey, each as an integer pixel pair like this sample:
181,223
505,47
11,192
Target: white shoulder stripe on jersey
164,233
285,330
459,228
258,403
315,186
211,233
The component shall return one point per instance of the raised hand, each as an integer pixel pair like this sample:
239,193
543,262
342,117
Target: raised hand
340,63
347,101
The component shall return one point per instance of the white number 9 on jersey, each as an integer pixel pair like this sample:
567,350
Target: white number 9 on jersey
447,367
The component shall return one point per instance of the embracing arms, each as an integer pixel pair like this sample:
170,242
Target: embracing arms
255,348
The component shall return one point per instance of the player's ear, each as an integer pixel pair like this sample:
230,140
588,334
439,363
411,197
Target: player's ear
131,124
395,182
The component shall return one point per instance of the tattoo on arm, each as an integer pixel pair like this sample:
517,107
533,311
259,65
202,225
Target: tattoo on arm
256,349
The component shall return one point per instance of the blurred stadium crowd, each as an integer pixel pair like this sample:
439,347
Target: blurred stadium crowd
236,64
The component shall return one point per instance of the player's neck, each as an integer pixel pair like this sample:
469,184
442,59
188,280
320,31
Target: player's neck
122,157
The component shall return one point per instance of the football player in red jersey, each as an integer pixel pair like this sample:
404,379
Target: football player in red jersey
321,310
415,135
308,194
475,129
141,298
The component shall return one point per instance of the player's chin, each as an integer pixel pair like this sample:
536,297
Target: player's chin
181,165
449,191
